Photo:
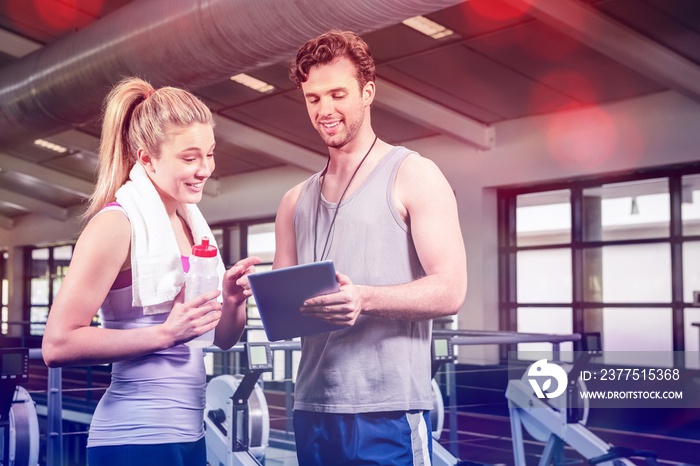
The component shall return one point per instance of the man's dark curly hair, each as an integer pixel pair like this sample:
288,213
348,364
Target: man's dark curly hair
329,47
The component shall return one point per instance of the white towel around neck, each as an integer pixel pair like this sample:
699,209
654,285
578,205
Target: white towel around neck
156,263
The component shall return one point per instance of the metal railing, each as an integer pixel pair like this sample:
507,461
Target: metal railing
54,430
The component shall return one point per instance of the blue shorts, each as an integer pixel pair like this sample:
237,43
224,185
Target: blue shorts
386,438
166,454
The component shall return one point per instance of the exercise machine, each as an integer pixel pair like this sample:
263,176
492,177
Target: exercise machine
236,416
235,401
18,418
561,420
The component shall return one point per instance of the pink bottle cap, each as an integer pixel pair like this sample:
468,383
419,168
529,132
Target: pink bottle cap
205,249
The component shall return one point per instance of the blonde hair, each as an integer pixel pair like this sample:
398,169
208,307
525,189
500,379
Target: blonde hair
135,115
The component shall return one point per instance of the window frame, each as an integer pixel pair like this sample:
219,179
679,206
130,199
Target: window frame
508,248
4,293
27,284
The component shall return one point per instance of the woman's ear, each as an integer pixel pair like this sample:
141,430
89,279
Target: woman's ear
145,159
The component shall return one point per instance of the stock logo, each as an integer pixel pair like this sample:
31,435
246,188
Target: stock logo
546,372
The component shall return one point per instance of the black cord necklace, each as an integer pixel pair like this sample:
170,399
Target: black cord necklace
337,207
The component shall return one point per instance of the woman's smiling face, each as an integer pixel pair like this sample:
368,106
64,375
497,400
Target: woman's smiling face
185,163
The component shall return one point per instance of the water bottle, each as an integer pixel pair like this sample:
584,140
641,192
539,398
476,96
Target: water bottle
201,278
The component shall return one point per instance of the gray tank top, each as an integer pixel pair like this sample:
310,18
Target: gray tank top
152,399
378,364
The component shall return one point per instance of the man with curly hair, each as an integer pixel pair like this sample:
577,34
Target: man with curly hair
388,219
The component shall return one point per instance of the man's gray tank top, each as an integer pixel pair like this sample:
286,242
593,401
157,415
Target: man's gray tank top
378,364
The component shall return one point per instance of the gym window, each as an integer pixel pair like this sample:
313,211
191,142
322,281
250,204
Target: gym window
612,254
254,238
243,239
46,267
4,294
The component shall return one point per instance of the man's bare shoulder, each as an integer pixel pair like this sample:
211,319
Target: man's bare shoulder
417,171
290,198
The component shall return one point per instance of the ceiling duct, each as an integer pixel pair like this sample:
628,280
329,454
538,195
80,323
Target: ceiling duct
187,43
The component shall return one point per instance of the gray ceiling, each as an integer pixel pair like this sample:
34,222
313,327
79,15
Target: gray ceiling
501,64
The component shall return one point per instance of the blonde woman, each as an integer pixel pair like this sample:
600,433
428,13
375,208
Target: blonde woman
156,154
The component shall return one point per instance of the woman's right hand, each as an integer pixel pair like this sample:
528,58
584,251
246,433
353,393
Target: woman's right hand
188,320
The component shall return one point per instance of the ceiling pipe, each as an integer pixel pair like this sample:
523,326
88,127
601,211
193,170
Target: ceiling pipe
186,43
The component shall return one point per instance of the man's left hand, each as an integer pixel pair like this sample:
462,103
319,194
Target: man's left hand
340,308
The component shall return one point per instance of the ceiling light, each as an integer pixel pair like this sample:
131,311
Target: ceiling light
51,146
428,27
253,83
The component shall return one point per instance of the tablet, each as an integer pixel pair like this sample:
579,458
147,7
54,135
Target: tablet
280,293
